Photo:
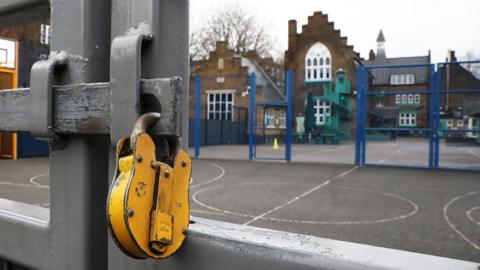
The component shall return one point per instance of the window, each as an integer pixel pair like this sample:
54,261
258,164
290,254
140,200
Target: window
410,99
407,99
397,79
460,123
407,119
398,99
449,123
220,63
417,99
45,34
318,64
220,105
269,118
220,79
283,119
322,111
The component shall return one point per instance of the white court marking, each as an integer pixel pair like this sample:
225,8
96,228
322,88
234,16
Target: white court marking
473,153
394,152
216,178
300,196
34,178
455,229
469,215
414,206
7,183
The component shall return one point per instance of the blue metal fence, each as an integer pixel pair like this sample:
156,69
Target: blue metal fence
433,128
253,126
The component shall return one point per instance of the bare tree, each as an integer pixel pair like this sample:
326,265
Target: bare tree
474,68
240,28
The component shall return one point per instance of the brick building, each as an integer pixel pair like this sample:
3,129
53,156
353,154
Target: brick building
317,55
407,110
225,95
32,38
459,110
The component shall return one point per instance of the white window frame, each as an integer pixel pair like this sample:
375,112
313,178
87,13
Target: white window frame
473,123
399,79
269,118
220,79
404,99
398,99
45,34
218,113
318,63
460,123
283,119
220,63
410,98
322,110
417,99
407,119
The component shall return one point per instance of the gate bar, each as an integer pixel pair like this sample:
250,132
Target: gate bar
7,6
70,103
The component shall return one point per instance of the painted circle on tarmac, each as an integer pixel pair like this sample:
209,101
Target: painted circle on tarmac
388,198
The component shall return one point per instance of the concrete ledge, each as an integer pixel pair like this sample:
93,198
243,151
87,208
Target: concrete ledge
24,237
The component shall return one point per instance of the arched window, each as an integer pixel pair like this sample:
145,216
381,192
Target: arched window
321,68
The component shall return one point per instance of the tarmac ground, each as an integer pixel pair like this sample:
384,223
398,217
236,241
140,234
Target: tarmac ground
433,212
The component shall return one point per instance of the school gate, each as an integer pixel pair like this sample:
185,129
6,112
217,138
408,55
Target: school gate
97,61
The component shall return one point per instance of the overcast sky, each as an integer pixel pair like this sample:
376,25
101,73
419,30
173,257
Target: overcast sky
411,27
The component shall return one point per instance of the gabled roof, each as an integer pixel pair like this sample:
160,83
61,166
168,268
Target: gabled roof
382,75
271,92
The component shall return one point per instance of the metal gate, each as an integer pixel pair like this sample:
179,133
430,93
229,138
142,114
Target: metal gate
403,124
113,61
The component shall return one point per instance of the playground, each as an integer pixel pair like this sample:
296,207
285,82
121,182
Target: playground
432,212
404,151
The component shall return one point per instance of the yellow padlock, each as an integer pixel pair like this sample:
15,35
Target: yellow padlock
147,208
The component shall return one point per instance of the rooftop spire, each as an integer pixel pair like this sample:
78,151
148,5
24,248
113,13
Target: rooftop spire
381,37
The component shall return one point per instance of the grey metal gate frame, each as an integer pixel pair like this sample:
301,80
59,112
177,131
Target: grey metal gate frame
107,58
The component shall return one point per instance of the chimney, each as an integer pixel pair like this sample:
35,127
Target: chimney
371,55
292,35
451,56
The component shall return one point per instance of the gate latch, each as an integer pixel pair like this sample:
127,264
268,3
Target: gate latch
147,209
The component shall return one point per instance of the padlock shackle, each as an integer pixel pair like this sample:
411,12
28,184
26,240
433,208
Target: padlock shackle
144,122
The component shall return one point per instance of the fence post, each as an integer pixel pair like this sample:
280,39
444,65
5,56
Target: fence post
431,119
288,139
79,171
358,117
438,96
364,108
251,119
198,131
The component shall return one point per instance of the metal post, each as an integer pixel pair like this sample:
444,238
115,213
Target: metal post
364,90
288,139
438,94
431,118
358,116
78,172
198,131
251,119
165,55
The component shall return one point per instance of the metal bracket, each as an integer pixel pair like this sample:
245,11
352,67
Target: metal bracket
41,104
125,70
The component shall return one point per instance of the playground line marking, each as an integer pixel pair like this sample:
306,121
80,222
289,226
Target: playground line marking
455,229
300,196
